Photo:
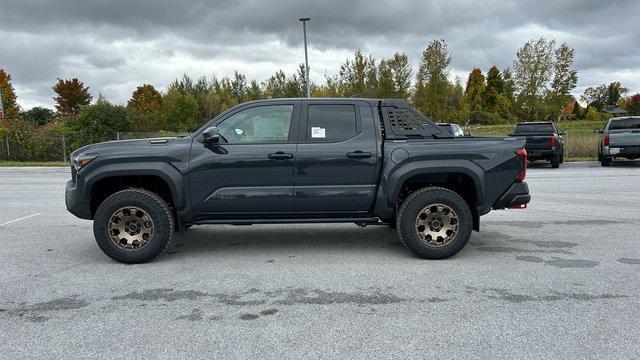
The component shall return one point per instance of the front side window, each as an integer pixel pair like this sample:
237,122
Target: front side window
261,124
331,123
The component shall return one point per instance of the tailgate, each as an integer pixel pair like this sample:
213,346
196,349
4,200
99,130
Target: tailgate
538,142
622,138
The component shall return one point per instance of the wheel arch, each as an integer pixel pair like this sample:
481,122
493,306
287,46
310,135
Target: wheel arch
461,176
160,178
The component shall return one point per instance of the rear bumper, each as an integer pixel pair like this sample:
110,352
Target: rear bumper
626,151
534,154
76,204
516,196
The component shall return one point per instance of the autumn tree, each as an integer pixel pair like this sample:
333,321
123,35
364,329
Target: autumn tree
145,98
72,94
143,109
633,105
432,84
8,96
533,68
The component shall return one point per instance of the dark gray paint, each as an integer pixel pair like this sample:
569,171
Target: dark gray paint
330,181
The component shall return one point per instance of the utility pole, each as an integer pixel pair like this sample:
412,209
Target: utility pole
306,57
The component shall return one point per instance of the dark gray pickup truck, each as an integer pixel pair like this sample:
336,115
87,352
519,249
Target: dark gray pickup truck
365,161
544,142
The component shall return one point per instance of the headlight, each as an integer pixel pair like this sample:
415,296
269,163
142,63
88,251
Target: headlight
82,160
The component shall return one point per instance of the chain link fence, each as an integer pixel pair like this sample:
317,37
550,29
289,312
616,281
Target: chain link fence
58,148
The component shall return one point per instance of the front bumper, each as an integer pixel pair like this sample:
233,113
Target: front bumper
76,204
517,196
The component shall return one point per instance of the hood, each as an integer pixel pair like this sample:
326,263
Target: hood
121,146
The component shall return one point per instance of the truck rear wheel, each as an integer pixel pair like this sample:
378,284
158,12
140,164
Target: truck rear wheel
555,161
133,226
434,223
605,161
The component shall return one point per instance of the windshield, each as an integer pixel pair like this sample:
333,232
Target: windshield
534,128
626,123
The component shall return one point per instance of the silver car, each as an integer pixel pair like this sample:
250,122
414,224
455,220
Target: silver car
620,139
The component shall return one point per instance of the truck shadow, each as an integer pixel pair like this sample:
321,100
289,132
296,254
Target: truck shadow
288,240
281,241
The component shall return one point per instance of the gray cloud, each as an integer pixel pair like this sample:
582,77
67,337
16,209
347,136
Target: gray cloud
114,46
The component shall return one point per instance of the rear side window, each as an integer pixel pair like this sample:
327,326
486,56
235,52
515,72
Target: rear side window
331,123
622,124
534,128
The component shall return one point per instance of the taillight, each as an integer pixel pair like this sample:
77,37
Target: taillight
606,140
554,141
522,153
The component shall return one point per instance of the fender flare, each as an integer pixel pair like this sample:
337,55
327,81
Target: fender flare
398,177
164,171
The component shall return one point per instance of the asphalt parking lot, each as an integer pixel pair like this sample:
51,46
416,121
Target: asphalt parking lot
558,280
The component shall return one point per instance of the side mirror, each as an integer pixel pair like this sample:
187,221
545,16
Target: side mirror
211,135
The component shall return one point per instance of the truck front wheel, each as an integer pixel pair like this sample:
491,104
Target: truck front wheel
434,223
133,226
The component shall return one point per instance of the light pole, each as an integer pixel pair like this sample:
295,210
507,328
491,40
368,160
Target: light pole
306,57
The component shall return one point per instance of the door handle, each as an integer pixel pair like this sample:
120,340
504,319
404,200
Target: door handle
280,155
359,155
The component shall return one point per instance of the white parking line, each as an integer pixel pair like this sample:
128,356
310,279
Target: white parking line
20,219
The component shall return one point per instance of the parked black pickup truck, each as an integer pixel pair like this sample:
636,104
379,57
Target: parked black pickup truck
364,161
544,142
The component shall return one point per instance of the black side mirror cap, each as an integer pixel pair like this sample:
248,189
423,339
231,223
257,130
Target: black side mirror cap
211,135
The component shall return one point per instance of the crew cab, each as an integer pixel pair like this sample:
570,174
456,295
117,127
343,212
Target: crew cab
364,161
544,141
620,139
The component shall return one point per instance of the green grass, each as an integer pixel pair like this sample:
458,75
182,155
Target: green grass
581,144
571,127
5,163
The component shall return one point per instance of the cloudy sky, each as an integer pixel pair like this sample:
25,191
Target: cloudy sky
114,46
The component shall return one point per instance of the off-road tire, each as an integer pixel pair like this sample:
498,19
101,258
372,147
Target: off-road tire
605,161
412,207
156,208
555,161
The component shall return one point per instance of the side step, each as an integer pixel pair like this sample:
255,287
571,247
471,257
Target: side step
360,221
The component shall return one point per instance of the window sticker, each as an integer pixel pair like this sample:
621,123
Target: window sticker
239,131
318,132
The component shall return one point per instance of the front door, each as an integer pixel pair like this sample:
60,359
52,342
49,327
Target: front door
251,169
337,158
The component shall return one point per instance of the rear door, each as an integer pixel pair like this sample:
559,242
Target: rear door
336,159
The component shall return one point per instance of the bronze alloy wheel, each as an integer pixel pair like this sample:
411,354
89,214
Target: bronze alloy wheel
130,228
437,225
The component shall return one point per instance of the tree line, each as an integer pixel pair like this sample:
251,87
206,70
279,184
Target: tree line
536,87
